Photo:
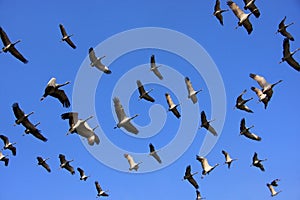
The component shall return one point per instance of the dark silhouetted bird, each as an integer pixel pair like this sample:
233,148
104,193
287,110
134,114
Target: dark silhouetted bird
143,93
66,37
8,145
43,163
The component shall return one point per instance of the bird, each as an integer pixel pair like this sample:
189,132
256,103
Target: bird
66,164
262,97
272,190
243,18
23,119
288,56
10,47
172,106
4,159
43,163
206,124
154,67
206,168
143,94
228,159
154,154
82,174
96,62
8,145
218,12
66,37
241,103
81,127
250,4
53,90
133,165
245,131
124,121
191,92
282,29
257,162
100,191
189,176
198,195
275,182
266,87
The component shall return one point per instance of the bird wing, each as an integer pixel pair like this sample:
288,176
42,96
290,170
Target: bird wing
46,166
252,7
252,136
243,125
130,160
255,157
130,128
140,87
156,156
40,159
260,94
235,9
271,188
62,97
281,24
17,111
119,109
260,80
248,26
69,41
169,100
189,85
62,158
71,116
293,63
203,161
203,118
92,55
220,18
5,139
157,73
69,168
81,172
212,130
13,149
217,5
17,54
152,61
98,187
4,37
176,112
33,130
63,30
227,156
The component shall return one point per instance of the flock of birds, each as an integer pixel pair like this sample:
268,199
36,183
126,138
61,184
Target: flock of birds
82,128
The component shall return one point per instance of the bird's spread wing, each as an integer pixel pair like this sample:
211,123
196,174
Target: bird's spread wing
98,187
235,9
169,100
140,87
176,112
71,116
17,111
62,97
17,54
5,139
69,41
4,37
62,30
130,128
248,26
242,125
212,130
81,172
33,130
119,109
260,80
130,160
189,85
92,55
252,136
217,5
203,118
157,73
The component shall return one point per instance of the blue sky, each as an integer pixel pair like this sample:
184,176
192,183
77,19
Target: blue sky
234,52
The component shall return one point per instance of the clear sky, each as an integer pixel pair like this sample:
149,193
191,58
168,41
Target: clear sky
222,54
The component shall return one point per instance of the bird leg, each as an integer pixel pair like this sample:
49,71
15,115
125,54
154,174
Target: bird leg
250,127
60,85
95,127
149,91
134,116
289,25
211,120
101,58
295,51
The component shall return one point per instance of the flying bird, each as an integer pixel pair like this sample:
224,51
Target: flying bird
288,55
53,90
198,195
206,168
275,182
82,174
191,92
66,37
143,93
282,29
206,124
153,153
262,97
272,190
65,164
243,18
241,103
81,127
124,121
172,106
228,159
100,191
245,131
250,4
257,162
10,47
154,68
23,119
8,145
218,12
133,165
189,176
4,159
96,62
43,163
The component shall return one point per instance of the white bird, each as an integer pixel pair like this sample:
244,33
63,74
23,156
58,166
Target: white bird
243,18
205,165
8,145
4,159
153,153
154,68
96,62
66,37
133,165
82,174
272,190
228,159
124,121
172,106
191,92
53,90
100,191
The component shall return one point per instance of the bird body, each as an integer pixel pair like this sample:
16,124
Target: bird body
100,192
43,163
218,12
154,68
241,103
257,162
288,55
53,90
143,94
189,176
66,164
133,165
96,62
66,37
206,167
10,47
172,106
191,92
206,124
153,153
124,121
245,131
8,145
228,159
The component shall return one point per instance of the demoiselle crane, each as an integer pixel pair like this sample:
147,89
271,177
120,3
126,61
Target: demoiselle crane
66,37
241,103
4,159
288,55
65,164
191,92
189,176
143,93
172,106
10,47
52,89
124,121
96,62
206,124
8,145
100,192
245,131
282,29
250,4
83,176
23,119
218,12
43,163
154,154
257,162
132,164
154,68
228,159
206,168
272,190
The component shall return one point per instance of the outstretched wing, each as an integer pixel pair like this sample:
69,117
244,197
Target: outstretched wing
17,111
33,130
62,97
63,30
4,37
71,116
119,109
